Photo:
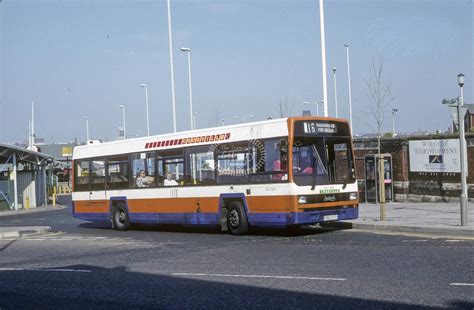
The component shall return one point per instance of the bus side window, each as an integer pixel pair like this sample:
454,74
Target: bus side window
118,173
97,175
200,166
170,168
143,170
82,176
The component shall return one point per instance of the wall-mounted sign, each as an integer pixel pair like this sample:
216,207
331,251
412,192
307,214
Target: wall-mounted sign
434,156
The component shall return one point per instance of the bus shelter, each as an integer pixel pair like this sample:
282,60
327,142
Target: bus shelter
23,177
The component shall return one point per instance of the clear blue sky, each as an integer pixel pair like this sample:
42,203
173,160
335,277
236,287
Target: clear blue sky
85,58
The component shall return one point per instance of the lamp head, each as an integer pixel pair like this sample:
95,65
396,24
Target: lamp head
185,49
143,85
461,79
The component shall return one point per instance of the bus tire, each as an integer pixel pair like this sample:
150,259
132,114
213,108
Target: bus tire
237,219
120,218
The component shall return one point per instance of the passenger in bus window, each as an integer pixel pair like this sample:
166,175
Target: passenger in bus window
169,180
142,180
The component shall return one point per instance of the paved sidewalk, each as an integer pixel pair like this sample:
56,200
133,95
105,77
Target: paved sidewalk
32,210
17,232
442,219
23,231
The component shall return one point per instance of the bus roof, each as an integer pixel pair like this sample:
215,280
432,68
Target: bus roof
271,128
206,136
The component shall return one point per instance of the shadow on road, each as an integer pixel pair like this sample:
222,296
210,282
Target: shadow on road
119,288
282,232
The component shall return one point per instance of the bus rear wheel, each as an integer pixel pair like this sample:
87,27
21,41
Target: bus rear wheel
237,219
120,218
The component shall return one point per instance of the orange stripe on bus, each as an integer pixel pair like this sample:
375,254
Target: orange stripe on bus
257,204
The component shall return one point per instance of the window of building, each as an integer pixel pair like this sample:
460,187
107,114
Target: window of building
118,173
144,170
200,166
82,176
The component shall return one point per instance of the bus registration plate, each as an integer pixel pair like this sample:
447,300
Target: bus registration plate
332,217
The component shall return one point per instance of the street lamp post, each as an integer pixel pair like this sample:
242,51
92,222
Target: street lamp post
147,113
188,51
323,57
87,129
170,39
462,145
349,84
194,121
335,89
393,121
122,107
314,102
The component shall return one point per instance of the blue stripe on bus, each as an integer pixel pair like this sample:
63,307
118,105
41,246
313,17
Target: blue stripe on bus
281,219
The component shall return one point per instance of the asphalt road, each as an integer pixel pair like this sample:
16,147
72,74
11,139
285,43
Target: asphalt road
86,265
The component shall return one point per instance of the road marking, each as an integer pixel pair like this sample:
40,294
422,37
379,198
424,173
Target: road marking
47,270
254,276
422,240
461,284
453,240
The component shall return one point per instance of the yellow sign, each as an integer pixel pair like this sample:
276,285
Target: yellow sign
67,151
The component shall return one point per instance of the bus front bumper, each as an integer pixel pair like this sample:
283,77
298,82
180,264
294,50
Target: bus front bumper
303,218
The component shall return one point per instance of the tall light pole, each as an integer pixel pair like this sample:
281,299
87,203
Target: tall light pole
194,121
188,51
87,129
323,57
393,121
335,89
462,145
170,39
32,123
147,113
122,107
223,122
349,84
313,102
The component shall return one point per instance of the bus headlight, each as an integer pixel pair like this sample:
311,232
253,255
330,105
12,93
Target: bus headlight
302,199
353,196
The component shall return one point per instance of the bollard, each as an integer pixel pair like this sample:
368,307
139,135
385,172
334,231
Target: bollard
54,197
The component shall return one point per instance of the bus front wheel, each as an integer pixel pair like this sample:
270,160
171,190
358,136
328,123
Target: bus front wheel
120,218
237,219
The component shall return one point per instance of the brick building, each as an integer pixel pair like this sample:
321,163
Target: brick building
411,185
469,118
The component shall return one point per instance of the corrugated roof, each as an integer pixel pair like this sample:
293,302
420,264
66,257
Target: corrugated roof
23,155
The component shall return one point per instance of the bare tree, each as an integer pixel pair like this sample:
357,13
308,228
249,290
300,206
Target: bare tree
379,95
216,118
285,107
